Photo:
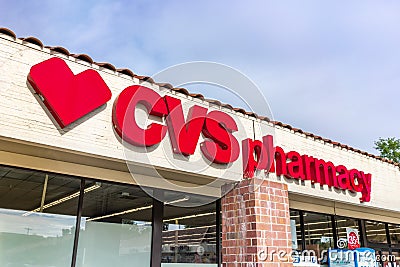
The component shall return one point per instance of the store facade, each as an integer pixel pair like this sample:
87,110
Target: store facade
88,179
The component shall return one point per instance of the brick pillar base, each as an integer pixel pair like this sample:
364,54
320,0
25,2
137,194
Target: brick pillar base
256,225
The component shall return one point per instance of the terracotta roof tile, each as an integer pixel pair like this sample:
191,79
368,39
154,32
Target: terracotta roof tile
199,96
87,58
240,110
308,134
59,49
106,65
83,57
8,32
297,130
126,72
145,78
32,40
252,114
263,118
165,85
287,126
213,101
181,90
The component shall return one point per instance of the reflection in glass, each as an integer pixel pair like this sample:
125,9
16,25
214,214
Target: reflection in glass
29,237
318,233
296,230
342,223
394,232
189,236
376,232
116,228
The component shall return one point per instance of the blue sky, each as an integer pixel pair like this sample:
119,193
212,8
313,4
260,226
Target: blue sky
328,67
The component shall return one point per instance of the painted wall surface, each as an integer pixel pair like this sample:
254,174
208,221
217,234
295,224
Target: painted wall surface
22,117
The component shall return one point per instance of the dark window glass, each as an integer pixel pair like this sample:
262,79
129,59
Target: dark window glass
342,223
318,232
32,234
189,234
115,227
394,231
296,230
376,232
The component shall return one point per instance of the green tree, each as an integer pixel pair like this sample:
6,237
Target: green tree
389,148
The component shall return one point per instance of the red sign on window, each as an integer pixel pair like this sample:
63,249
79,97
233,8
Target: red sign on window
353,241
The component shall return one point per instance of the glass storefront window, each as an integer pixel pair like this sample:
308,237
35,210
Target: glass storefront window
115,227
38,214
189,235
296,230
342,223
394,232
34,231
376,232
318,233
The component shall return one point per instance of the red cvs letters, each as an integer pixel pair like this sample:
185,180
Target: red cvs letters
217,127
124,112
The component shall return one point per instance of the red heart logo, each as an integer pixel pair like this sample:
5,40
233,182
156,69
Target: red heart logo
68,97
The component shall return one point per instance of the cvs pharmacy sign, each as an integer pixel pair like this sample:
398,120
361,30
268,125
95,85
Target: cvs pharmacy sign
70,97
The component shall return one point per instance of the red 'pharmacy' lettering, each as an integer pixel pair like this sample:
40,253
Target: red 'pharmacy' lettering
264,156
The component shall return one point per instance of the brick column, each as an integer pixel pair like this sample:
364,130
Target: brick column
256,225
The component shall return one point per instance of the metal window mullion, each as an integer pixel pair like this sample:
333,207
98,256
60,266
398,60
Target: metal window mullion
362,234
388,238
218,232
334,230
78,223
303,236
156,231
